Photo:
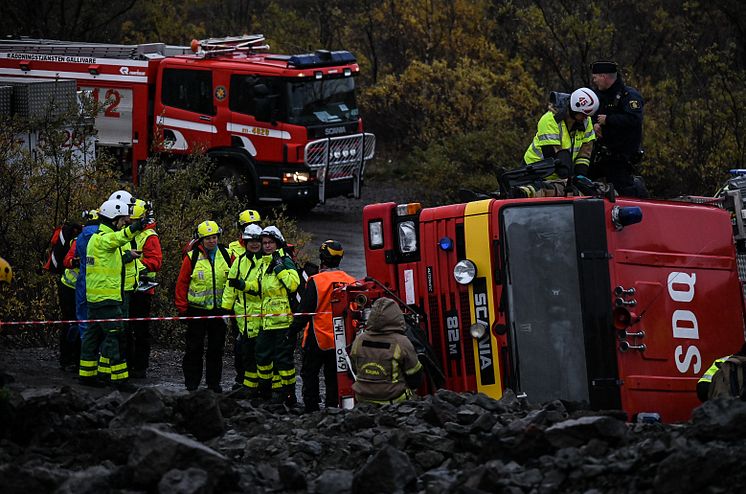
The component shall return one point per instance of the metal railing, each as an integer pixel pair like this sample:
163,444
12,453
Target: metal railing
340,158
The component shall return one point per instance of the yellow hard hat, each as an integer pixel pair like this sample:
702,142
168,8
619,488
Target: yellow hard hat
208,228
248,216
138,210
6,272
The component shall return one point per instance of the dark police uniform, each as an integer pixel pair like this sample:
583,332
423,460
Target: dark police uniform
618,149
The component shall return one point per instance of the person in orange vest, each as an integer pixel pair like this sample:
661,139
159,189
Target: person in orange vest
318,337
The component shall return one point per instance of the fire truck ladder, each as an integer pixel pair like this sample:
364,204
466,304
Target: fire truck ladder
93,50
216,46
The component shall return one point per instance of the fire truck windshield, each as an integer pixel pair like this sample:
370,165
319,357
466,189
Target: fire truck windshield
544,308
322,101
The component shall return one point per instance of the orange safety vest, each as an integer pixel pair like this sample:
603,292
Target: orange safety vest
325,282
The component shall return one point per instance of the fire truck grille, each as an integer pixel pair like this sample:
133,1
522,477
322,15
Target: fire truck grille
465,323
344,156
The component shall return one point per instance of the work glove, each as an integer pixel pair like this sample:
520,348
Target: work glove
76,262
136,226
237,284
584,184
277,265
291,337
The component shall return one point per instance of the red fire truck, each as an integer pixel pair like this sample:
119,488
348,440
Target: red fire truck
280,128
619,303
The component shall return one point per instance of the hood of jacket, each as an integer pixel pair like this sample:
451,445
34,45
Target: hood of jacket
385,317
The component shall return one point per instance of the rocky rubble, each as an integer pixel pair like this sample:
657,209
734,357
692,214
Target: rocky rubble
65,440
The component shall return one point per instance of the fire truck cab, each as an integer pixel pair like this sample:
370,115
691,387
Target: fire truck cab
280,128
622,304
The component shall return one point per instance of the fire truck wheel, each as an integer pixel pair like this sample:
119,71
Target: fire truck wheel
234,183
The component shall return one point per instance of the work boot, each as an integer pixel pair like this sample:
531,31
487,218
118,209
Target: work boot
264,391
93,382
216,388
125,387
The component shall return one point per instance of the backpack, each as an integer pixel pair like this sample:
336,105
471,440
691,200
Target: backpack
194,256
729,380
59,244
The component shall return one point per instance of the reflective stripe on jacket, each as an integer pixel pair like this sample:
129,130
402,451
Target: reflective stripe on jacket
104,267
549,132
207,282
246,268
276,290
323,328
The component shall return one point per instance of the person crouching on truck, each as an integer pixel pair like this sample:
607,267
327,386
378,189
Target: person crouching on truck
385,363
565,133
318,339
199,292
244,302
278,280
104,286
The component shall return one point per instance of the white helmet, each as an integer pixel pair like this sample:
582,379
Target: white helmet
122,195
274,232
112,208
583,100
252,232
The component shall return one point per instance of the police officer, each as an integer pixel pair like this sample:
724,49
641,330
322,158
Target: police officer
318,338
618,127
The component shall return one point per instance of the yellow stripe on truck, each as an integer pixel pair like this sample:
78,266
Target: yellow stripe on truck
478,242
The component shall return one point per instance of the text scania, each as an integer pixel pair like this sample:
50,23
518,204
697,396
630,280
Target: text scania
684,321
484,345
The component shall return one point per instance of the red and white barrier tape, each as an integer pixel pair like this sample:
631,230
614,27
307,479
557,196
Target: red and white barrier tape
168,318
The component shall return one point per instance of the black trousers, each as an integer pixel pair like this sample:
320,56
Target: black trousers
138,336
314,359
69,338
197,329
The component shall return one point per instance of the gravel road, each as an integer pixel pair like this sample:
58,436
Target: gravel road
342,219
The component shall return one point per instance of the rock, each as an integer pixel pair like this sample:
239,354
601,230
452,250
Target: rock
156,452
576,432
291,476
719,418
201,416
146,405
189,481
428,459
93,480
334,482
388,471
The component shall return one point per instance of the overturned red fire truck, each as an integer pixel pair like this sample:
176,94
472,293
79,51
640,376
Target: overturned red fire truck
280,128
616,302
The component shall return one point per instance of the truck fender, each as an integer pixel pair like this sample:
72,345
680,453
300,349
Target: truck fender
237,162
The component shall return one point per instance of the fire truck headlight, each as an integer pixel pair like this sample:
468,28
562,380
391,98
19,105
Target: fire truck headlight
477,330
407,237
464,272
375,234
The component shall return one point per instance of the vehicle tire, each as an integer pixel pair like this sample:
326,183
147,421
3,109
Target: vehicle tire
234,183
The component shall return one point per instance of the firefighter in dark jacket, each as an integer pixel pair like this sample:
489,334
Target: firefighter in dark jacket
318,338
199,292
618,128
384,361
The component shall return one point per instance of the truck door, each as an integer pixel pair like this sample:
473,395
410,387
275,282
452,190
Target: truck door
187,117
255,102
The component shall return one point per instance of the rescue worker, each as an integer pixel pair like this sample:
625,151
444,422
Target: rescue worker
236,298
81,244
703,385
236,248
104,288
245,218
6,272
318,338
383,359
69,337
199,292
618,127
565,133
278,280
146,267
